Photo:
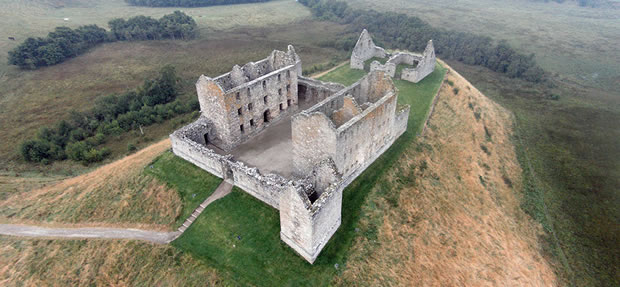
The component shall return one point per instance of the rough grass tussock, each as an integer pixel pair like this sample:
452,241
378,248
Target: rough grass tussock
456,218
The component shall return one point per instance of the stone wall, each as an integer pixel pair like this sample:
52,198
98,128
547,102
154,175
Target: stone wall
313,91
305,225
267,188
348,127
364,50
248,99
426,65
333,141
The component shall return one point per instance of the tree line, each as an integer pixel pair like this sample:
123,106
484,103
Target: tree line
583,3
188,3
64,42
79,137
395,30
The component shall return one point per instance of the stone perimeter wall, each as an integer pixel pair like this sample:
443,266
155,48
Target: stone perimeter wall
310,204
306,225
186,143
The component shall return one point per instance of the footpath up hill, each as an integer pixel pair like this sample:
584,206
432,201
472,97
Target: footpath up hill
456,219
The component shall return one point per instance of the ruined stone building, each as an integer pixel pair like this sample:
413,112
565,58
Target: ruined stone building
420,66
292,142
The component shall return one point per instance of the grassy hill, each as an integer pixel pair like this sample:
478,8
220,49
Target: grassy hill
144,190
445,201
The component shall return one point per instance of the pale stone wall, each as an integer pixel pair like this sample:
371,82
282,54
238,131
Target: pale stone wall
365,49
248,99
314,140
333,141
313,91
187,144
426,66
307,226
349,134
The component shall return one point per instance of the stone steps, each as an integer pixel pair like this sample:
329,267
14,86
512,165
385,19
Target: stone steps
202,207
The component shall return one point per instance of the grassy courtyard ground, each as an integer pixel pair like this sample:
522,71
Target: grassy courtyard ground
240,234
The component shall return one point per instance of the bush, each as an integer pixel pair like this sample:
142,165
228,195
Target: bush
177,25
131,147
59,45
77,138
64,42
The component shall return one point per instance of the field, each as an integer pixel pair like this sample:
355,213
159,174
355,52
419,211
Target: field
578,44
237,243
32,99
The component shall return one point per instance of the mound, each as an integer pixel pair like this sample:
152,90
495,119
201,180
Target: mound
456,219
98,262
118,193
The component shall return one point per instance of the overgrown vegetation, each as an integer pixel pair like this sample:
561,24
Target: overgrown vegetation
64,43
177,25
78,138
59,45
188,3
407,32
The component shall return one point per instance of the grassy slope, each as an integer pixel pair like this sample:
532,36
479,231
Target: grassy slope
568,148
569,154
193,186
98,263
449,209
246,259
143,190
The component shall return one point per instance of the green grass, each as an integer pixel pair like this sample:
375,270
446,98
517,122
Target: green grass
419,96
343,75
260,258
194,185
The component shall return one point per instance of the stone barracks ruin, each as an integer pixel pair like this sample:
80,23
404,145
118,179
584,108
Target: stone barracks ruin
420,66
292,142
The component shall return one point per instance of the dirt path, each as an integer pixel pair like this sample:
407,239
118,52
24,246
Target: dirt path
321,74
114,233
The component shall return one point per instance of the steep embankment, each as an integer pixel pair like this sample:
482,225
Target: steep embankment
98,262
455,217
117,194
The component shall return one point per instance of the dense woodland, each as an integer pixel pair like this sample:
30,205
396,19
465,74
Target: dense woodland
188,3
394,30
78,138
64,43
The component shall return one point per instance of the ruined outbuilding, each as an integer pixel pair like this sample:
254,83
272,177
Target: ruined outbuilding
418,65
292,142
